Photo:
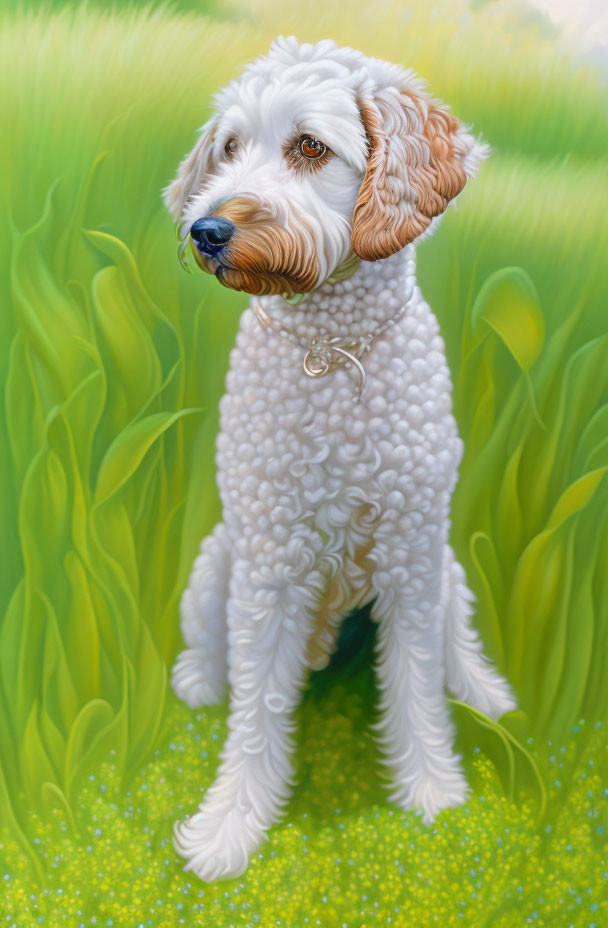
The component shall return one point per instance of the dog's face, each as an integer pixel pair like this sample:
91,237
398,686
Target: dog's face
314,154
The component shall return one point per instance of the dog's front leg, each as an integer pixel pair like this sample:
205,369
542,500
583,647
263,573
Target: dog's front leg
416,731
270,615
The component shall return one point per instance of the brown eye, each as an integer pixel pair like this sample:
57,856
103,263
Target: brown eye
230,147
311,148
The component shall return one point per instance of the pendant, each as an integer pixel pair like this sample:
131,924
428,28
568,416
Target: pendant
327,354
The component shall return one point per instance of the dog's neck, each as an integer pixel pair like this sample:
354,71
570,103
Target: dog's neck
355,306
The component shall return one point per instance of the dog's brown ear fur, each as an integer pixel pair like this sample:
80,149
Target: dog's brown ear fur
415,167
191,171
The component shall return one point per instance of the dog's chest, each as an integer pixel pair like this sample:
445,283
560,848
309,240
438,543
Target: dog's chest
285,435
276,420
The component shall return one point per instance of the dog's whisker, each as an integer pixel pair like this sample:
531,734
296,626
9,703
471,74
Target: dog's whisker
182,231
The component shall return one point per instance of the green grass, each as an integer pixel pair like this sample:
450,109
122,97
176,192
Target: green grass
343,855
112,362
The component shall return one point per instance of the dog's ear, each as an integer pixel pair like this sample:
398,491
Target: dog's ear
419,159
191,171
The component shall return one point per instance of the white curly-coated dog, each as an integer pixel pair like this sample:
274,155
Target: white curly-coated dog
338,451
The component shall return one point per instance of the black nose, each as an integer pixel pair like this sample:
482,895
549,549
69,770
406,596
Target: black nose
212,234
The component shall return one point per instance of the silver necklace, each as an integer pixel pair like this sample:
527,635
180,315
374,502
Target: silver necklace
325,354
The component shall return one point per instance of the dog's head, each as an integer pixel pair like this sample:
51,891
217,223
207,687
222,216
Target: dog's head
315,153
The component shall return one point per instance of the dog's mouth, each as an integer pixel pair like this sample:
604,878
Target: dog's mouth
249,249
215,263
247,279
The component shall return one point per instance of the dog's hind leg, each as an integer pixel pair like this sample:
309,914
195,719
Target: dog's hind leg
470,675
200,672
348,589
324,637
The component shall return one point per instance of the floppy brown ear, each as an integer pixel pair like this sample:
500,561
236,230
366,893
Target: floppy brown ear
415,167
190,172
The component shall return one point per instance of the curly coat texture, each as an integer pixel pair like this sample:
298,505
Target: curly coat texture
328,503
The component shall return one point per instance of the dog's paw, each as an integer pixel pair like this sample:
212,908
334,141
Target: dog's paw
500,698
215,847
483,688
432,795
190,682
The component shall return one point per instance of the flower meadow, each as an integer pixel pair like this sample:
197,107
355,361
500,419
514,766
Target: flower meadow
112,362
342,857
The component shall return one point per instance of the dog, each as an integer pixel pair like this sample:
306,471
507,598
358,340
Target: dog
338,452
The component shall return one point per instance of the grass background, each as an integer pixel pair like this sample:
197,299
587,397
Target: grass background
112,362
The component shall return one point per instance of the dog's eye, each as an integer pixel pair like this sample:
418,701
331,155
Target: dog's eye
231,147
311,148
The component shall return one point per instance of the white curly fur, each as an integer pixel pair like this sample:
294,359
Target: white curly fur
326,502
